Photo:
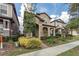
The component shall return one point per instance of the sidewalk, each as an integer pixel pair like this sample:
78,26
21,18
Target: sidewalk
53,51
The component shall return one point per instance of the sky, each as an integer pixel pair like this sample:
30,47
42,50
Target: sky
54,10
49,8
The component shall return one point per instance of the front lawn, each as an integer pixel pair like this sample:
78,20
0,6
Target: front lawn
60,40
17,51
71,52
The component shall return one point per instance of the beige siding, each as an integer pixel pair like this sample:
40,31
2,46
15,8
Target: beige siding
37,21
9,10
45,18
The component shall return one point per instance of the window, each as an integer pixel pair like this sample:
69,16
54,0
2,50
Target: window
6,24
3,9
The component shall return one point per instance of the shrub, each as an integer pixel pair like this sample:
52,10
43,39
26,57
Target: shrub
34,43
12,38
22,41
7,38
50,39
62,38
29,42
58,35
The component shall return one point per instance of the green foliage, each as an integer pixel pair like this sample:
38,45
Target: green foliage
49,39
12,38
58,35
29,42
34,43
29,22
73,24
73,7
62,38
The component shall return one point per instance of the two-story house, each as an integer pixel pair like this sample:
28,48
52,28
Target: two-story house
59,24
9,24
44,27
74,14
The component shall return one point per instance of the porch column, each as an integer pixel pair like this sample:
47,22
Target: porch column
40,31
48,31
54,34
61,31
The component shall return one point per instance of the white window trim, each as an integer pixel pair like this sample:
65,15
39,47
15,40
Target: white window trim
4,9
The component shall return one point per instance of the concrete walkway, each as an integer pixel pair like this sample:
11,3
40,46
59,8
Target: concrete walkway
53,51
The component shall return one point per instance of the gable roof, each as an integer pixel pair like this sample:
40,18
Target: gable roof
39,18
59,20
45,14
35,16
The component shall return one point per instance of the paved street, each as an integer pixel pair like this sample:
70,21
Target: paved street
53,51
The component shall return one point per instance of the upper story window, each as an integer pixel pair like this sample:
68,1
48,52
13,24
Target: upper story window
3,9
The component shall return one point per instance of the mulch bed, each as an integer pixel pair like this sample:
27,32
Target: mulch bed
6,48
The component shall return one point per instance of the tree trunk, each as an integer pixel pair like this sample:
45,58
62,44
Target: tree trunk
71,31
28,34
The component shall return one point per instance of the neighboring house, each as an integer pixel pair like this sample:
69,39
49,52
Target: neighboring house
9,24
73,15
59,24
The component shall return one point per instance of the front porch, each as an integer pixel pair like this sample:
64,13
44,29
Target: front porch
43,30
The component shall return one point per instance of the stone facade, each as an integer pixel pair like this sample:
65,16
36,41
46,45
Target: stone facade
44,26
59,24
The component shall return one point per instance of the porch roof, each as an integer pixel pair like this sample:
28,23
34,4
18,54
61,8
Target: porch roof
4,17
45,14
48,25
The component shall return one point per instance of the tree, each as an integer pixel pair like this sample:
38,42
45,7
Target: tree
74,7
29,22
73,24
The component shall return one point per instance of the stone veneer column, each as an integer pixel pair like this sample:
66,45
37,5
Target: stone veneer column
48,31
40,30
60,31
54,34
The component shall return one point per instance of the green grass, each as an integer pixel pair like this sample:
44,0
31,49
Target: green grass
18,51
71,52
